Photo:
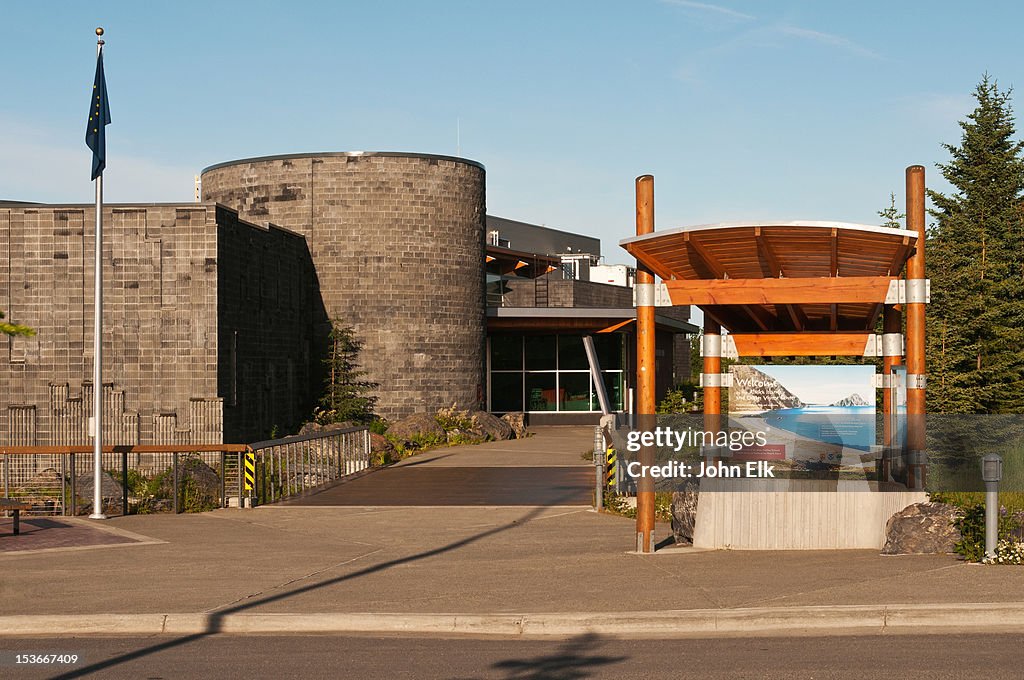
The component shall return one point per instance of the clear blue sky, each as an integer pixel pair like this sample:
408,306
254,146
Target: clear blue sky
741,109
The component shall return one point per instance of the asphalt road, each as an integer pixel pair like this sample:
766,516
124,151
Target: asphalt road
931,657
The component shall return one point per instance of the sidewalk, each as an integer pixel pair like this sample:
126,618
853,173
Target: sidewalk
485,570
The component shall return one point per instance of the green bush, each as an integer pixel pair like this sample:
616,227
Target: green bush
454,419
675,401
972,531
379,426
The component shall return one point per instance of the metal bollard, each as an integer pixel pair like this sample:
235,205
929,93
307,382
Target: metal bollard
991,473
598,468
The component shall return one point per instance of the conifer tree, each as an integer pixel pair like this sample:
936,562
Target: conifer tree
975,249
346,393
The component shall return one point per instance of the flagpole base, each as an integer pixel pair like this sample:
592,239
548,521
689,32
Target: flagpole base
97,515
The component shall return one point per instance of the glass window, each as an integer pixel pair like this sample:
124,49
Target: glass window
609,348
574,394
613,385
571,353
506,353
506,392
540,392
551,373
541,353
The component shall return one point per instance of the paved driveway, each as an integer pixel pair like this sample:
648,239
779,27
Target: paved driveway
545,469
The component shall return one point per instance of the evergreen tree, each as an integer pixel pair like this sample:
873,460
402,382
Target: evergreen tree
976,264
346,397
891,215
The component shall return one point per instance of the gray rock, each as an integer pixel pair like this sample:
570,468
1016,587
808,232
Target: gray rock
422,424
684,512
380,444
517,421
198,485
921,528
491,425
109,488
310,428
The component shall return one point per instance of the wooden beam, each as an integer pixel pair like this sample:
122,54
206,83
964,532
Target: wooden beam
764,319
834,266
797,316
706,258
723,316
615,327
873,317
896,266
774,266
850,289
800,344
653,262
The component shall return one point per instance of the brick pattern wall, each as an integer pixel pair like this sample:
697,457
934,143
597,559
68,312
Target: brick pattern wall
398,247
160,322
265,329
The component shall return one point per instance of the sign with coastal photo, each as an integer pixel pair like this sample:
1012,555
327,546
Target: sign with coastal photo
815,411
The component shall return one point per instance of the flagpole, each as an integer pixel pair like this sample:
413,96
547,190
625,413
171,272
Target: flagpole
97,344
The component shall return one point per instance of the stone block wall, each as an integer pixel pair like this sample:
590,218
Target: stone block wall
397,242
207,325
160,324
267,375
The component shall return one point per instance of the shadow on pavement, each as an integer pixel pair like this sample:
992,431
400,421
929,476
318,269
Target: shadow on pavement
217,618
577,658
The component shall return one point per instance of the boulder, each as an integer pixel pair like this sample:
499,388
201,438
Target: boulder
109,487
491,425
684,512
379,443
198,485
517,421
110,493
921,528
310,428
423,424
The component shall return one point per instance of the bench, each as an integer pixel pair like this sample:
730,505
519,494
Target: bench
15,506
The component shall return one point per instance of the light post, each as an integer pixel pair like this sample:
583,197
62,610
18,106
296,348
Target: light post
991,473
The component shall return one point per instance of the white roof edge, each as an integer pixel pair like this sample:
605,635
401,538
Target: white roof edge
849,226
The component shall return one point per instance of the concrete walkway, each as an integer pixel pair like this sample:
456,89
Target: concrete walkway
483,570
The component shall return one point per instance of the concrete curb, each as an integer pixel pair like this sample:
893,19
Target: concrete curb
687,623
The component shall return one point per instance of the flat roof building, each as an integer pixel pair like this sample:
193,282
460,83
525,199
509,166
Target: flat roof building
217,313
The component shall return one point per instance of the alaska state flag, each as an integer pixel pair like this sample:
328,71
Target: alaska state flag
99,118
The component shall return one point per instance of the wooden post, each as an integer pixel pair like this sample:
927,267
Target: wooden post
892,355
916,296
645,375
712,382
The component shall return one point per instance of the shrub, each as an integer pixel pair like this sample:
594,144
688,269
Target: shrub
453,419
972,531
674,402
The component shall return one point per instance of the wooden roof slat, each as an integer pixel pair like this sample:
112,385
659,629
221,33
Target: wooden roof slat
706,258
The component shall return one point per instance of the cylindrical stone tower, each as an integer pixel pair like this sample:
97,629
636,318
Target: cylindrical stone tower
397,241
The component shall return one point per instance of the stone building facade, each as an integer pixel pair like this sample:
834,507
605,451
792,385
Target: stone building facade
198,307
397,241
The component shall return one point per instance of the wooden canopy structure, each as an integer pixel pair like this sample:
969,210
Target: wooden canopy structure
783,288
786,289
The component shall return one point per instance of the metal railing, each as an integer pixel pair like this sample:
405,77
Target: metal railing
291,466
57,480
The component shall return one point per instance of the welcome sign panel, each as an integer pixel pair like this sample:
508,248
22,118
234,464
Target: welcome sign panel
809,412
